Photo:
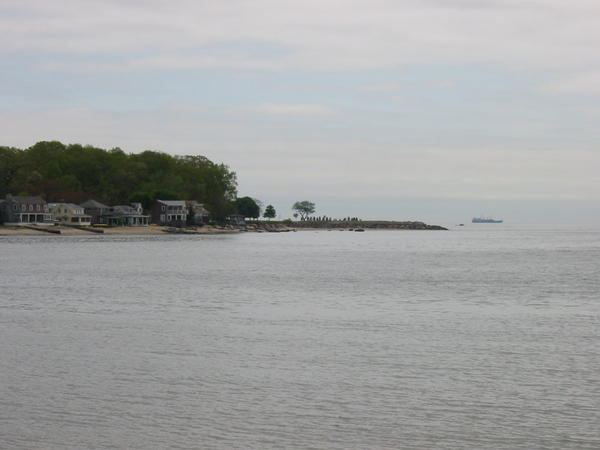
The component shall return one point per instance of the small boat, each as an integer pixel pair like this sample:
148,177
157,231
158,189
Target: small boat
485,220
359,229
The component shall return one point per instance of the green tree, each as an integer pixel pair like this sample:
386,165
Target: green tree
55,171
247,207
270,212
10,160
304,208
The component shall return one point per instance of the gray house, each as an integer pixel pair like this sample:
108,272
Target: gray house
95,209
169,212
126,216
197,213
116,216
25,210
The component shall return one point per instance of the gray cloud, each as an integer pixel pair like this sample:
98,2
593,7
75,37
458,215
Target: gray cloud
320,35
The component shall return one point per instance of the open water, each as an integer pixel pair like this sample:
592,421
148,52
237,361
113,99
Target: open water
482,337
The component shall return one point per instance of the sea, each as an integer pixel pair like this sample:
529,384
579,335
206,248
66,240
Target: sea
480,337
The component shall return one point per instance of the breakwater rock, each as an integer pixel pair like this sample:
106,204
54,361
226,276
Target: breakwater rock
366,224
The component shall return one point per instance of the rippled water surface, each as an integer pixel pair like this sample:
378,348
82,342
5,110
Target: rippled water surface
486,337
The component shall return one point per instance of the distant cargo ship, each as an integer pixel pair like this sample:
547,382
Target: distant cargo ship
485,220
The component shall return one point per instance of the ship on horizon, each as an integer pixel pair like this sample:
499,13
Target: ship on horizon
485,220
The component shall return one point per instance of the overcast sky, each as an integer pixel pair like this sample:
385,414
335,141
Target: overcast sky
425,109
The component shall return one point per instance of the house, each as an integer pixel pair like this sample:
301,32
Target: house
197,213
126,216
236,219
69,213
96,210
169,212
131,215
25,210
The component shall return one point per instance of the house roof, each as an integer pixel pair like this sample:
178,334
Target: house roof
124,210
34,200
69,205
195,205
172,202
200,209
93,204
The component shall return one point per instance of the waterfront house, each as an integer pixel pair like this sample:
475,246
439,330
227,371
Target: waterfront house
96,210
197,213
69,214
169,212
236,219
25,210
126,216
131,215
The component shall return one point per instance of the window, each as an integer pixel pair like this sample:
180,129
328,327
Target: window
163,207
37,207
30,207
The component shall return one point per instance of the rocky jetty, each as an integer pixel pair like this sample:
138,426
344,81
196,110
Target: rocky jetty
367,224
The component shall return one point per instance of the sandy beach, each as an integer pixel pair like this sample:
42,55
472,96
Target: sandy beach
141,231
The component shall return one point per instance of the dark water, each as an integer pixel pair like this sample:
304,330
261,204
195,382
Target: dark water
486,337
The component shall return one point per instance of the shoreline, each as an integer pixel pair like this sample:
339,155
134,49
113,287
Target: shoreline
260,227
132,231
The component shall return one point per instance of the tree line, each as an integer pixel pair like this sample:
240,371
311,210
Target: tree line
75,173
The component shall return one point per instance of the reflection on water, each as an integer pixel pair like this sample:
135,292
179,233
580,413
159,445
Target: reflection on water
475,338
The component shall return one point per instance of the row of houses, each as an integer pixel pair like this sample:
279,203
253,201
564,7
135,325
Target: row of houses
34,210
